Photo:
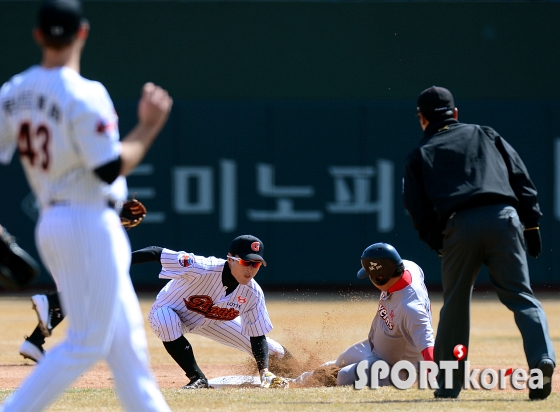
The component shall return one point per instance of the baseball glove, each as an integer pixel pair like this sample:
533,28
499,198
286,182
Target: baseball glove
132,213
17,268
270,380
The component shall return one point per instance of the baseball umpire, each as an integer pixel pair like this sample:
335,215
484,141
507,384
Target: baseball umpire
471,199
216,298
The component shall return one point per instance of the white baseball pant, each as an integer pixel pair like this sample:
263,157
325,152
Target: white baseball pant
349,359
88,253
167,325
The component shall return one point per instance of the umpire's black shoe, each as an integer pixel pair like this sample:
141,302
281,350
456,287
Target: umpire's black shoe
197,383
547,368
445,394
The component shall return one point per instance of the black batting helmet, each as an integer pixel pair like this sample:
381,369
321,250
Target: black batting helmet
380,262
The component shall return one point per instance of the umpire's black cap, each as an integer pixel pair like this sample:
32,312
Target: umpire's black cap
60,19
248,247
436,102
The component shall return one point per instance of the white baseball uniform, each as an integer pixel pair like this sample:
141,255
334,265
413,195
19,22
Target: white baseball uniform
195,301
401,329
64,126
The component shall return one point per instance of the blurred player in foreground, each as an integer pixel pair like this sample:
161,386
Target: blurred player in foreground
47,305
402,326
216,298
65,129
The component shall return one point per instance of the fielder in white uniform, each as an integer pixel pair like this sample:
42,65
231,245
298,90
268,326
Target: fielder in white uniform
65,130
402,326
217,298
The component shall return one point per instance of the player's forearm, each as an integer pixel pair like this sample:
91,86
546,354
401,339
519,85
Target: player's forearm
135,146
148,254
259,347
153,109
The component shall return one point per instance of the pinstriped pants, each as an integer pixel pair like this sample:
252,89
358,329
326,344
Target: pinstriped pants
167,325
88,253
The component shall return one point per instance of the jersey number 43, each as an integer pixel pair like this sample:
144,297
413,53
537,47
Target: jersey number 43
37,153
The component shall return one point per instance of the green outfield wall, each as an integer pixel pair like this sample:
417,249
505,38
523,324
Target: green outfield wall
292,120
309,50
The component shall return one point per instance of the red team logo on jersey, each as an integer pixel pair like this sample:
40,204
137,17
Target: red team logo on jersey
241,300
383,314
204,305
104,126
186,261
255,246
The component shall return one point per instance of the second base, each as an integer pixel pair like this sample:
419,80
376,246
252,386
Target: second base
235,381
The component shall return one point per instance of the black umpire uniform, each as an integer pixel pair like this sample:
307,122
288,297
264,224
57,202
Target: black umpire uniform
471,199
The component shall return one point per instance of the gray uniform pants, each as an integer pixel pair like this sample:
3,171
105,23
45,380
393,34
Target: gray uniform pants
490,235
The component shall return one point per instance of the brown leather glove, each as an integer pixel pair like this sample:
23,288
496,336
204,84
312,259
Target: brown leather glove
132,213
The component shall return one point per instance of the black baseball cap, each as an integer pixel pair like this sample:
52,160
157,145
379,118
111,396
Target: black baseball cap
247,247
436,102
60,19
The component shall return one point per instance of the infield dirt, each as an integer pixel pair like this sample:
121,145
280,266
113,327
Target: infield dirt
315,327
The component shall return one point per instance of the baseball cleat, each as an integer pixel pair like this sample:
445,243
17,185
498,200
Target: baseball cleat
197,383
44,313
31,351
547,368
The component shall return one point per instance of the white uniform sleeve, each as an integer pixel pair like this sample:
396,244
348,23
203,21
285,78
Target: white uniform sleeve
94,119
7,138
176,265
255,321
417,322
418,317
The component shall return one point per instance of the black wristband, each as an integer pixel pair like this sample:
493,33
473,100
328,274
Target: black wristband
259,346
148,254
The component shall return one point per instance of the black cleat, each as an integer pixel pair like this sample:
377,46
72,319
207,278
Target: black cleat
197,383
31,350
547,368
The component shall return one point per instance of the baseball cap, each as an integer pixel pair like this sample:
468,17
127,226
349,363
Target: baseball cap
248,247
436,102
60,19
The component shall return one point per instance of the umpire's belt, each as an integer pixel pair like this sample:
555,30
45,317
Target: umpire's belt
484,200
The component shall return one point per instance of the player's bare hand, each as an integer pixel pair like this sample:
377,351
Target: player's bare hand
154,107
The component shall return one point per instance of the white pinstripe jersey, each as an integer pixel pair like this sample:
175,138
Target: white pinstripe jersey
196,293
402,327
63,127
